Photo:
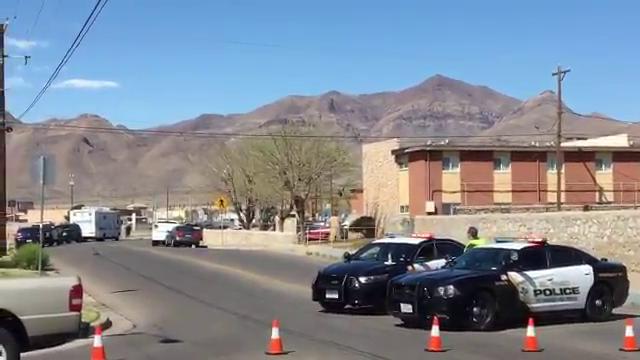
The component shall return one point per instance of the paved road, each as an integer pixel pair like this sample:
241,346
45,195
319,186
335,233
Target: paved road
218,304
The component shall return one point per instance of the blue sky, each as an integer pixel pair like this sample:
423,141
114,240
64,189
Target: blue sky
150,62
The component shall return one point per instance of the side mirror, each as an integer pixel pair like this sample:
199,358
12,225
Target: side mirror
604,259
347,256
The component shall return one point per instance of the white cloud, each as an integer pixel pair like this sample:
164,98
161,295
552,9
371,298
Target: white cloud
86,84
25,44
17,82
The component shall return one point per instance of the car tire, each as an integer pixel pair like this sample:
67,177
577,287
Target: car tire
154,243
332,307
599,303
480,312
116,239
9,347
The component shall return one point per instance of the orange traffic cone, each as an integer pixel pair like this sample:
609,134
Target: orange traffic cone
97,352
275,344
435,342
530,340
629,341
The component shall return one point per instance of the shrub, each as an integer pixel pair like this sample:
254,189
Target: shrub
7,263
27,257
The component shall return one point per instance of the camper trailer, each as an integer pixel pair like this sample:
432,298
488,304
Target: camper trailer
97,223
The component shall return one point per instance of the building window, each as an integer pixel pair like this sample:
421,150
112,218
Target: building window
449,208
552,163
404,209
450,161
603,162
403,162
501,161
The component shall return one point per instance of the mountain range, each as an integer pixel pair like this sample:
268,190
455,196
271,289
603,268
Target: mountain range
112,162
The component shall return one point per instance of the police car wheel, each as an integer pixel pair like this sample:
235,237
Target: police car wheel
481,311
332,307
599,303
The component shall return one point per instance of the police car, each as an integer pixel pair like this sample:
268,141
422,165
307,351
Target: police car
504,281
361,279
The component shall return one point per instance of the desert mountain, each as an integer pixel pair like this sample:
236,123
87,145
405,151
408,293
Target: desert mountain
110,161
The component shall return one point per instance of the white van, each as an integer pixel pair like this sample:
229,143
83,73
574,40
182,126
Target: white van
160,230
97,223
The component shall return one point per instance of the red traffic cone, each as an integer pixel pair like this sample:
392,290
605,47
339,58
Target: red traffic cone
97,351
530,340
435,342
629,341
275,344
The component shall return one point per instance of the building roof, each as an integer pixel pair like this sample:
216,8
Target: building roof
618,142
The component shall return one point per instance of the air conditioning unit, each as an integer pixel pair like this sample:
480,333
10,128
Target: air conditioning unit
430,207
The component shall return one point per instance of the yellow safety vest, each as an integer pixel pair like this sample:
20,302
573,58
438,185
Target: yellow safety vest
475,242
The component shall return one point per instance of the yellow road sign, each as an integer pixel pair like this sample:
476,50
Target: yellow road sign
221,202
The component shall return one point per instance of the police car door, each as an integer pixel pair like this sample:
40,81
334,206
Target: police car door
425,257
530,275
572,279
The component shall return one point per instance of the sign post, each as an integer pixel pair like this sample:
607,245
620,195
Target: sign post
43,167
221,202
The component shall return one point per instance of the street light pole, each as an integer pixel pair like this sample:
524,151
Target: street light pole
560,74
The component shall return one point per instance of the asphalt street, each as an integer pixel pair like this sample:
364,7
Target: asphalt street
219,304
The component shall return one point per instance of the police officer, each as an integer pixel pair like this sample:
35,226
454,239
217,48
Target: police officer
474,240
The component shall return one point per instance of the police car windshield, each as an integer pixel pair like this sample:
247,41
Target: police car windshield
484,259
380,252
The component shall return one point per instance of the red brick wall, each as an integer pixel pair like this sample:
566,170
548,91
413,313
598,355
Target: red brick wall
357,201
434,185
476,176
417,182
528,177
626,173
580,181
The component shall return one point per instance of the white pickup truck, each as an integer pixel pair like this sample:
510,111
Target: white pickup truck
34,311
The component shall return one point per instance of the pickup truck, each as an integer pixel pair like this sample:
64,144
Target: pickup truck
37,310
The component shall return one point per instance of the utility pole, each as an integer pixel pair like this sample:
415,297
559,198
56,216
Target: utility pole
72,183
559,74
3,148
167,216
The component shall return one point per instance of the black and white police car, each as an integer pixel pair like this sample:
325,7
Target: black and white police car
361,279
504,281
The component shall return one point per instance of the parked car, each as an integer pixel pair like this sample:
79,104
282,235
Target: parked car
38,311
31,234
66,233
184,235
361,279
160,231
506,281
317,232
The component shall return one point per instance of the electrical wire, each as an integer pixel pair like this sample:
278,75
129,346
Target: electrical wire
217,135
100,4
36,20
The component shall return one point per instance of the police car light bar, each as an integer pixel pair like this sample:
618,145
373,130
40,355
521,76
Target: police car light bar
536,239
422,235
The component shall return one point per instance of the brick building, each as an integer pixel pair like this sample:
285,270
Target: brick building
436,177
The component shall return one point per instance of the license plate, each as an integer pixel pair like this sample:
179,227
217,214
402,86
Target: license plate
406,308
331,294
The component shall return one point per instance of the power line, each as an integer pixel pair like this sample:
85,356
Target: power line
37,18
97,9
218,135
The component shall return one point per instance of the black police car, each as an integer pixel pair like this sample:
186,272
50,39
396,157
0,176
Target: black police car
361,279
505,281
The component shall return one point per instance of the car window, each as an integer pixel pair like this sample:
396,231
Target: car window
560,256
483,259
426,253
446,248
383,251
534,258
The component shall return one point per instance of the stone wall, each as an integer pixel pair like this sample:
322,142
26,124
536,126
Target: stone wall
247,238
611,234
380,179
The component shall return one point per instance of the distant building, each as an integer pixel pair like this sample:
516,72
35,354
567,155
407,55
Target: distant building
436,177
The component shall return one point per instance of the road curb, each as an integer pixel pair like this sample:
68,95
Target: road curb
103,321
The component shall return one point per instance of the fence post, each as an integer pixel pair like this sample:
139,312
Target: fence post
635,195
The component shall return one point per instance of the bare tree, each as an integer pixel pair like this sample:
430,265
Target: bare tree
298,157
